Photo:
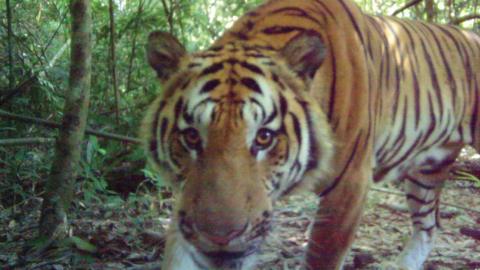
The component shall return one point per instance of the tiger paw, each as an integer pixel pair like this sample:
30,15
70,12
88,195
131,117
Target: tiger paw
393,266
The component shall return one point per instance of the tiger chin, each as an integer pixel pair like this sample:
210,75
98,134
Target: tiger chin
233,131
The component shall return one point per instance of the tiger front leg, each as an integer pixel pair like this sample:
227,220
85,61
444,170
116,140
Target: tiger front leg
336,221
423,186
178,254
423,196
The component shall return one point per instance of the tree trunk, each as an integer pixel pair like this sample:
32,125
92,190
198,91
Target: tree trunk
113,61
169,15
430,10
60,184
11,78
51,124
134,47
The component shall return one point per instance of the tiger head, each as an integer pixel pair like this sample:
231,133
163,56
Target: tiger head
233,130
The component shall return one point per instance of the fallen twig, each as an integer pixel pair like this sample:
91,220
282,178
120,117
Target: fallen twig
463,19
24,141
51,124
406,6
398,193
475,234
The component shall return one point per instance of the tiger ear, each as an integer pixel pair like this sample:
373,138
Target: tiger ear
164,52
305,53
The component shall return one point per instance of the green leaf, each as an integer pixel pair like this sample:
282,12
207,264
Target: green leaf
81,244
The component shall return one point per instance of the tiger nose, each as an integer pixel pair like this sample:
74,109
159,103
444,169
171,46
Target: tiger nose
220,229
223,239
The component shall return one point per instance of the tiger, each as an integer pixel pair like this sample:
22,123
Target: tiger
307,94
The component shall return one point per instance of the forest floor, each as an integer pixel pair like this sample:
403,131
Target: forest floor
115,234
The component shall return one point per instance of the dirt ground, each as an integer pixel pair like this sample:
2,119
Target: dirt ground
130,235
384,229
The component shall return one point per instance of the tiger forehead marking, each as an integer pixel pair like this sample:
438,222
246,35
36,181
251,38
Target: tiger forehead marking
232,83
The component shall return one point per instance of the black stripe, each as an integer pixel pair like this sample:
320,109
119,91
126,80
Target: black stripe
163,130
153,141
154,150
216,48
251,84
278,30
188,117
382,148
400,140
446,64
468,66
192,65
396,70
283,105
212,69
446,31
253,100
433,74
325,7
433,121
207,54
386,55
442,164
333,86
418,183
313,151
297,129
178,108
429,229
271,117
276,79
203,102
425,213
418,200
393,153
416,92
353,21
344,170
475,114
403,157
257,55
431,171
156,117
209,86
296,12
252,68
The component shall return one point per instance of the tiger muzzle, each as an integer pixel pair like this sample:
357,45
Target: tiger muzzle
222,240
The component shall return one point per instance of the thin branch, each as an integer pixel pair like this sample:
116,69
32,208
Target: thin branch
134,46
25,85
113,60
49,42
19,89
11,78
52,124
475,234
397,193
407,6
169,14
463,19
25,141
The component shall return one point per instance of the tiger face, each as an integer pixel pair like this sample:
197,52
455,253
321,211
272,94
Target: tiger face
234,130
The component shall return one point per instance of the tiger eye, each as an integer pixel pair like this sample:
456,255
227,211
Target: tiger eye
191,137
264,138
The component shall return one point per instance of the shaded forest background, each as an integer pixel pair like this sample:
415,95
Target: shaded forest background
116,199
